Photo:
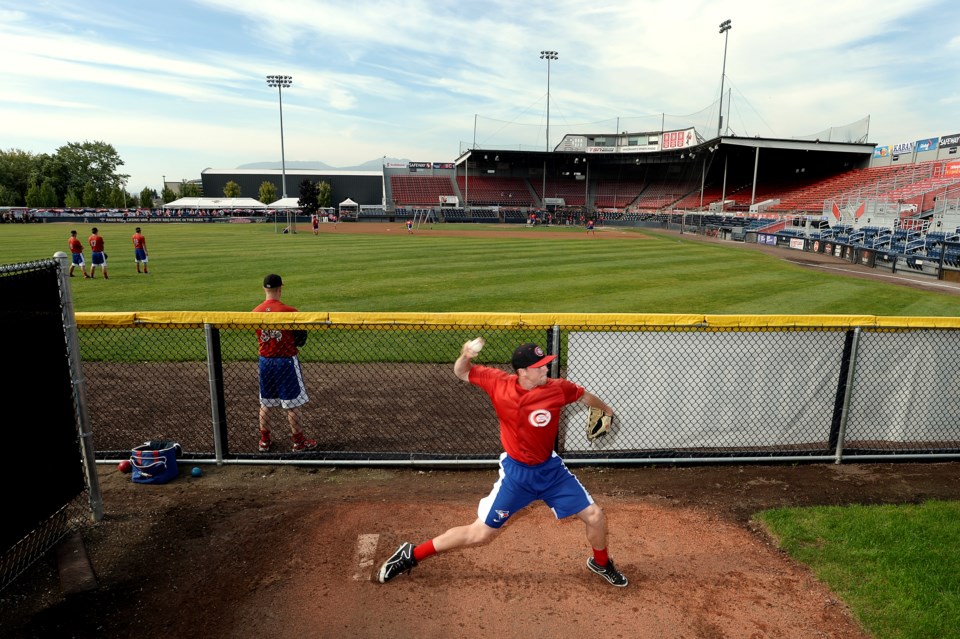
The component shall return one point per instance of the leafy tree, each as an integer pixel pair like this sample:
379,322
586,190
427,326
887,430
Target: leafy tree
53,169
91,199
48,195
117,198
324,194
146,198
7,196
231,189
268,192
191,189
72,200
308,198
33,197
18,170
91,164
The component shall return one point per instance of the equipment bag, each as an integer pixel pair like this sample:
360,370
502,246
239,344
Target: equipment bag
155,462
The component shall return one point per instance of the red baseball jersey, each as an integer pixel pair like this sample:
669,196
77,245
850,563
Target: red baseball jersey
529,419
275,342
139,242
96,243
76,246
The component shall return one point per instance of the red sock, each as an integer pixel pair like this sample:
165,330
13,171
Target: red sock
601,557
424,550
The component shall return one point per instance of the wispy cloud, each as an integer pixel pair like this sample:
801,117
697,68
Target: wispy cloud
180,85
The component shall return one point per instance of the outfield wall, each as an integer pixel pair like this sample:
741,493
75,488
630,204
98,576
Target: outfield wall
685,388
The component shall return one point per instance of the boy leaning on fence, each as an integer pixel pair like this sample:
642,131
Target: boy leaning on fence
281,380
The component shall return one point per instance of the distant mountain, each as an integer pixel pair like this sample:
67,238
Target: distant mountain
372,165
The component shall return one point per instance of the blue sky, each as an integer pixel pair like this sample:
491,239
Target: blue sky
178,86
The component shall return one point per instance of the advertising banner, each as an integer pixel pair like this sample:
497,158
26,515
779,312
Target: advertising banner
947,141
928,144
881,151
419,165
952,169
903,148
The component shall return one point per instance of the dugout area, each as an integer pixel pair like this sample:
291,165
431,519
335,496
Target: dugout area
42,391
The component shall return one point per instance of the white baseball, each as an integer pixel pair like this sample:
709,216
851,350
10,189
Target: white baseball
476,345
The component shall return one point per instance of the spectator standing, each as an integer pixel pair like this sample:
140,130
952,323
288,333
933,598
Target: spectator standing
140,250
528,405
98,257
76,255
281,379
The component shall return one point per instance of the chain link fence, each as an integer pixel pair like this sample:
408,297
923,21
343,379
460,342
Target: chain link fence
382,388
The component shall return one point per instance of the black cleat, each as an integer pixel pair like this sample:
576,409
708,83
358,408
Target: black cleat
608,572
401,561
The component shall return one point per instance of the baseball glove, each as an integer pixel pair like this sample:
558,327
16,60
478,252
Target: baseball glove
598,423
300,338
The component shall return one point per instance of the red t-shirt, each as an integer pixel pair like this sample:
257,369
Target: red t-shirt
275,342
529,419
76,246
96,243
139,242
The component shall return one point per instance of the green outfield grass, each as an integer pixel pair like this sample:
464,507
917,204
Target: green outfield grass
888,563
897,567
219,267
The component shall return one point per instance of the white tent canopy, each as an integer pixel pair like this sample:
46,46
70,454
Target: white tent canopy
215,203
350,205
285,203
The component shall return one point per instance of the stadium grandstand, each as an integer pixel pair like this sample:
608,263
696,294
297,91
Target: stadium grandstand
900,199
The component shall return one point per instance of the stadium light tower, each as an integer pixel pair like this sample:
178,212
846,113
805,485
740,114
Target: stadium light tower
724,29
281,82
548,56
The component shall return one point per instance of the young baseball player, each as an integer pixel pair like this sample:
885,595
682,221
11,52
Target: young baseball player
528,405
281,379
140,250
76,254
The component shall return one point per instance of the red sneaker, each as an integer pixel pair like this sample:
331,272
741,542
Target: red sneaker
301,443
265,443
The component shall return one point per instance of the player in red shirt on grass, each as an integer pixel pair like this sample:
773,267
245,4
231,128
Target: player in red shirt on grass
528,405
140,250
97,255
76,254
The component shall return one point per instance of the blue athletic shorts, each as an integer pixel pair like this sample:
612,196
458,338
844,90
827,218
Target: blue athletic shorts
97,258
77,259
520,484
140,255
281,382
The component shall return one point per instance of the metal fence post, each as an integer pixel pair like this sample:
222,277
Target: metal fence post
553,348
79,389
848,390
218,405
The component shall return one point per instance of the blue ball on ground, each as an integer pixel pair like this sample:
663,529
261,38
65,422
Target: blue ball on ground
196,472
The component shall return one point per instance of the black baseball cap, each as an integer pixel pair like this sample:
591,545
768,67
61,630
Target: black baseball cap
530,356
272,281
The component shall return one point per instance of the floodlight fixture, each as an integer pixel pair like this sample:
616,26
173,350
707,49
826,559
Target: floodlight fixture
281,82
